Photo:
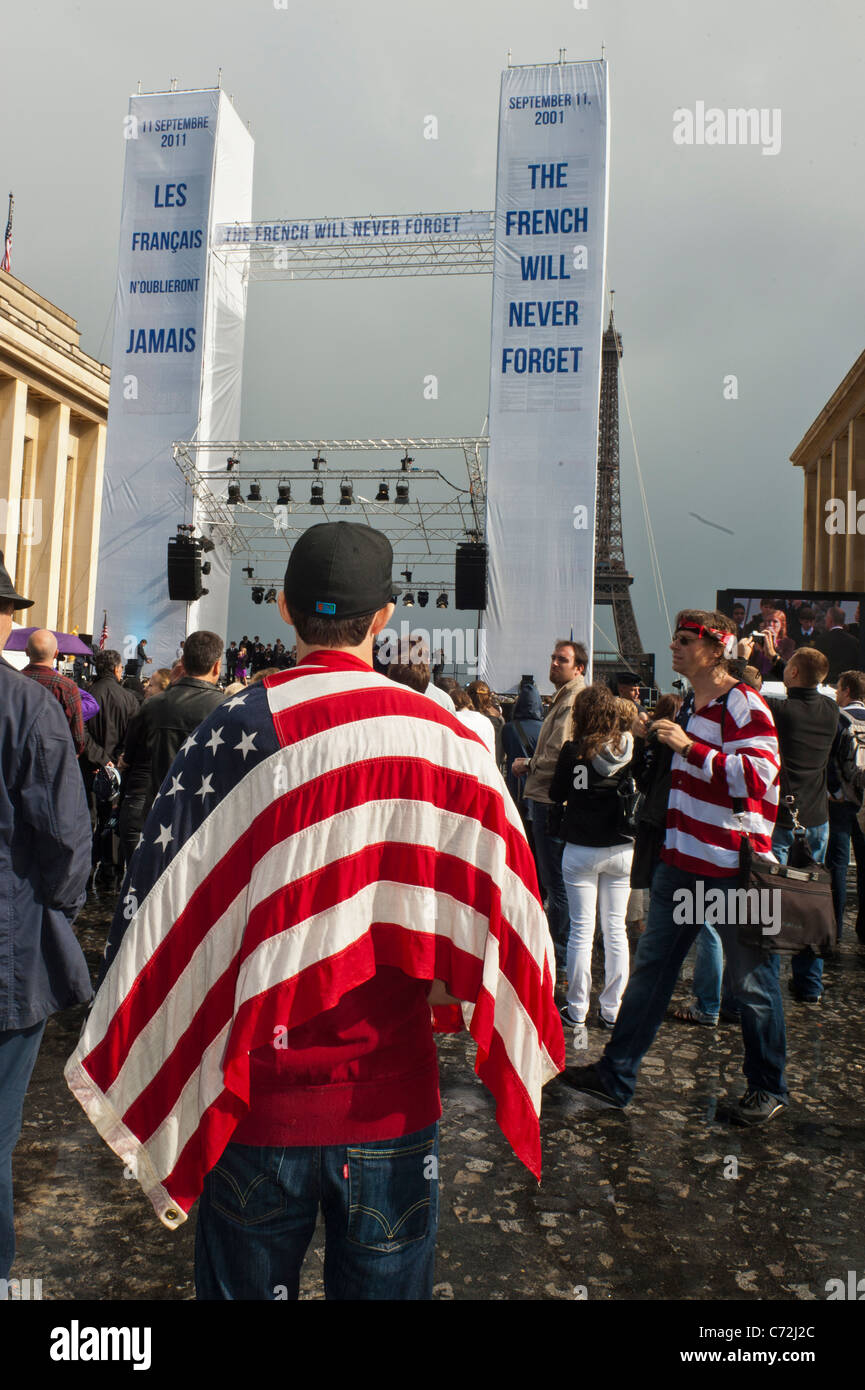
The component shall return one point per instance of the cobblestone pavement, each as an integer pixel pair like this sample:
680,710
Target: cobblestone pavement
636,1204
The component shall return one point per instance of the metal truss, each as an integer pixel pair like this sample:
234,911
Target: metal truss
370,258
423,530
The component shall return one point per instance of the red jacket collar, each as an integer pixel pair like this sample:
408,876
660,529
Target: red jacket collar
334,660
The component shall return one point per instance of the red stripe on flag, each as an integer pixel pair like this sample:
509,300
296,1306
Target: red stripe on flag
355,785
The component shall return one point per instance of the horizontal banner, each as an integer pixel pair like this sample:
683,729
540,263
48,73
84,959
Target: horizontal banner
416,226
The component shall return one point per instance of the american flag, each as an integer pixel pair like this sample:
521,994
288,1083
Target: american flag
318,825
104,638
6,263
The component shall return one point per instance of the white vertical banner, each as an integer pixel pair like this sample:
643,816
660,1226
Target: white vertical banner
175,358
552,192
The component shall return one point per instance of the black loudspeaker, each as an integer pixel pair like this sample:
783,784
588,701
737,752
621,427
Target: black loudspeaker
470,575
184,569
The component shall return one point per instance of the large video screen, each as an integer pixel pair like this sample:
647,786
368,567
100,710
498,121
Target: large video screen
781,620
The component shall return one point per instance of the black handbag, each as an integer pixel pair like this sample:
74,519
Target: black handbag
555,816
629,802
788,906
793,906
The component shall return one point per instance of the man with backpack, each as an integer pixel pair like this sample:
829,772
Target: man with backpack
846,777
806,722
520,737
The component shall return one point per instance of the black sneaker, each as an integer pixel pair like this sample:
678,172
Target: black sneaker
605,1023
726,1017
567,1021
800,998
587,1080
756,1107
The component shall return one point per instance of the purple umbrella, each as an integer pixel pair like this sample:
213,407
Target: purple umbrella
67,643
89,705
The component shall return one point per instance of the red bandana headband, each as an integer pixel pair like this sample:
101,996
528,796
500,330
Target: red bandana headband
728,640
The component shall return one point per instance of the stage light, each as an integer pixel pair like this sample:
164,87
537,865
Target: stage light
317,462
205,568
401,491
248,571
406,574
254,492
232,463
233,494
270,596
284,494
205,543
442,601
423,597
316,495
257,594
406,462
383,494
408,600
346,493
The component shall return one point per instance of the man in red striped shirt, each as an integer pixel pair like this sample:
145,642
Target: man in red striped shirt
726,753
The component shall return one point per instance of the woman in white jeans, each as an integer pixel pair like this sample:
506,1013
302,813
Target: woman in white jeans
596,862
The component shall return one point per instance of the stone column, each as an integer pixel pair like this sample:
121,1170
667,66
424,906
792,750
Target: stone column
52,455
85,547
854,568
13,410
821,537
65,620
809,528
838,545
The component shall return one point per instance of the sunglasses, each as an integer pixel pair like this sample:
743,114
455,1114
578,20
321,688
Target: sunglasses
683,639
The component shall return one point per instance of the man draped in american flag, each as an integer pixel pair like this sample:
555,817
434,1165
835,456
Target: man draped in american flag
330,855
724,782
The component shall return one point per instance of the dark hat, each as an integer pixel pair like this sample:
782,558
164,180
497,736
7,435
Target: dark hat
6,588
627,678
340,569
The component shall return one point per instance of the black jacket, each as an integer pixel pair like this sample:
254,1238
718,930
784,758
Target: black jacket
45,848
591,811
160,729
841,650
105,733
806,722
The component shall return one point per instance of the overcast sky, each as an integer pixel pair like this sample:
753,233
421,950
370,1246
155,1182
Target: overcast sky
724,260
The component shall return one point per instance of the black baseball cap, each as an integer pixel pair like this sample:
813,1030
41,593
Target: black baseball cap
628,678
339,569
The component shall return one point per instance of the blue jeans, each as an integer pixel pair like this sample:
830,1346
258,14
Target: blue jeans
548,853
661,950
711,983
807,968
380,1200
19,1048
844,827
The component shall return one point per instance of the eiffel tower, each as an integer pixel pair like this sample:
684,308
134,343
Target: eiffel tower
612,580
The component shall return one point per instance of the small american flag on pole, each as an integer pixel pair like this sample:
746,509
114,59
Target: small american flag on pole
313,828
104,638
6,263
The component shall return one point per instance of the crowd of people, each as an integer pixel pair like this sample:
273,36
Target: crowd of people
454,821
